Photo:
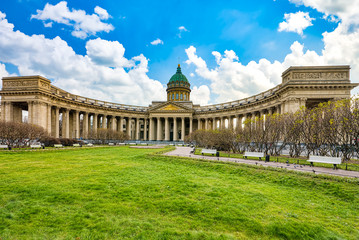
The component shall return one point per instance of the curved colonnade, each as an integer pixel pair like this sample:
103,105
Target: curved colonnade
67,115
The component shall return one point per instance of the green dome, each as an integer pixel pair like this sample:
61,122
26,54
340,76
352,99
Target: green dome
178,76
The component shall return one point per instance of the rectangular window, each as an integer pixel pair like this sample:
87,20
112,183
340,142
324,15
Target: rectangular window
176,95
181,96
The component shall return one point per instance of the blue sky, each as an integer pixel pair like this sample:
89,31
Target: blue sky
227,49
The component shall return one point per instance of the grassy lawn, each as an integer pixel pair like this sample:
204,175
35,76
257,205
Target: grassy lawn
353,165
124,193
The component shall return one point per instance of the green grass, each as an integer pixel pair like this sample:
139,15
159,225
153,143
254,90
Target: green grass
124,193
353,165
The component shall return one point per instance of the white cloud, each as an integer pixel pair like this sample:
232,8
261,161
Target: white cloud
200,95
231,80
103,73
346,10
296,22
157,41
181,30
107,53
102,13
3,73
82,23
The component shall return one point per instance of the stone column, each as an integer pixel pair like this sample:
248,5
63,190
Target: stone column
114,123
3,111
253,123
8,115
222,123
94,123
66,123
282,107
151,130
159,129
76,124
206,124
48,126
175,132
145,129
104,122
85,125
183,130
129,127
137,129
167,129
239,121
57,122
29,111
190,125
121,124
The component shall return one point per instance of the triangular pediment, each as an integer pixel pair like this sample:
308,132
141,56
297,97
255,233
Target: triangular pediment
170,107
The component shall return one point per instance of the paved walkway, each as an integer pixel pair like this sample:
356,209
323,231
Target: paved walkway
185,152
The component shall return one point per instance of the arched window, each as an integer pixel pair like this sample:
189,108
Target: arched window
181,96
185,97
173,96
176,95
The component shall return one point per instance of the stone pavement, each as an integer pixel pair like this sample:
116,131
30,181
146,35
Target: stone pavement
185,152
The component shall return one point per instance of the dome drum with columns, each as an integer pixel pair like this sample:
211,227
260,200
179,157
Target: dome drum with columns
171,120
178,88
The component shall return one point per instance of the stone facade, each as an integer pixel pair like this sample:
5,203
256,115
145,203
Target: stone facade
48,106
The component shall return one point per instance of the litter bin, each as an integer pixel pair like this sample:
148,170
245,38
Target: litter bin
267,158
217,154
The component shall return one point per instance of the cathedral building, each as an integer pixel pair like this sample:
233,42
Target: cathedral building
170,120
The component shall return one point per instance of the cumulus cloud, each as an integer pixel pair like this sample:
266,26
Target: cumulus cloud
231,80
3,73
107,53
346,10
102,13
200,95
295,22
157,42
82,23
103,73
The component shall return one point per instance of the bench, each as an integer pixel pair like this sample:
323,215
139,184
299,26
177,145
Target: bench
133,144
121,144
321,159
35,146
144,144
58,145
76,145
111,144
171,144
4,146
253,154
209,151
90,145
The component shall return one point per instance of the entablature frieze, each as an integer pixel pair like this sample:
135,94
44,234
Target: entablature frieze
171,115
